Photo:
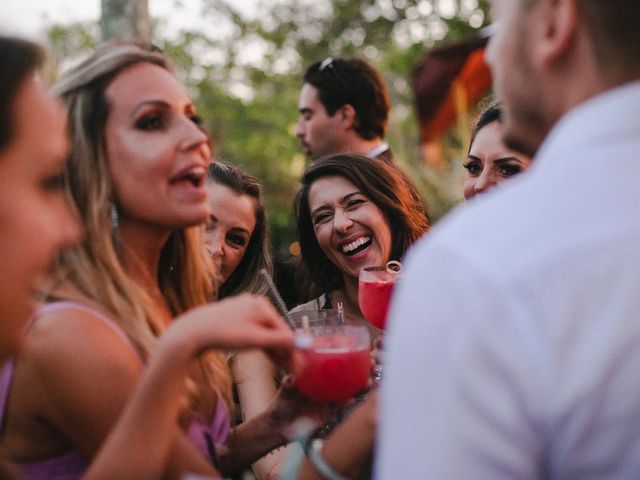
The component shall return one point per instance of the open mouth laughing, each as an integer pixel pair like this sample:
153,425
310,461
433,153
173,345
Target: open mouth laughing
356,246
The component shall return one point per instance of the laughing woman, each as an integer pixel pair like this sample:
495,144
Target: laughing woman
353,212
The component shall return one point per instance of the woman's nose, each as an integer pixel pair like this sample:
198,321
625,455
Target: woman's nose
485,181
341,221
215,245
195,137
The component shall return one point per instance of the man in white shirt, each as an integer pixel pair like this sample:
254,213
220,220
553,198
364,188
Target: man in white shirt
514,342
344,108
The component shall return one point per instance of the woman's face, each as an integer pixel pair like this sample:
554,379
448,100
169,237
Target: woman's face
351,230
231,223
35,217
489,162
156,152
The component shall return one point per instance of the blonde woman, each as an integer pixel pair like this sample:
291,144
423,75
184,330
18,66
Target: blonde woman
136,177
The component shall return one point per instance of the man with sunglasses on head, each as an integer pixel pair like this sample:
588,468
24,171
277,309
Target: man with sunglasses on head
344,107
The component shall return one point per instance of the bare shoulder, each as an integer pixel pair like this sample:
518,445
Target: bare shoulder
65,336
74,373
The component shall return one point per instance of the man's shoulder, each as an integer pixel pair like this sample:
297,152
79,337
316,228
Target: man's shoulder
499,232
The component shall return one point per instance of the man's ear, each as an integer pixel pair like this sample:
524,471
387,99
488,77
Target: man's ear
348,116
556,33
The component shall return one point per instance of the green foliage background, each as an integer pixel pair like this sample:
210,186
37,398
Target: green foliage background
245,74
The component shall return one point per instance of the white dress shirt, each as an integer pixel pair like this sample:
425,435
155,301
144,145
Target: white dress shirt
514,339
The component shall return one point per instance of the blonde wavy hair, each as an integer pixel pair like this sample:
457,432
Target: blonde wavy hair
95,267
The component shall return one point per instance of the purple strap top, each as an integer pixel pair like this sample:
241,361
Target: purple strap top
69,466
72,465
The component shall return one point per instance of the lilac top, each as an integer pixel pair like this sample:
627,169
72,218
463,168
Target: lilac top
73,464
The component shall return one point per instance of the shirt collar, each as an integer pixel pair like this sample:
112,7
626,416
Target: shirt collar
378,149
610,115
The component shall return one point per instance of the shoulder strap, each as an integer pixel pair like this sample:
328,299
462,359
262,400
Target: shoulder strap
6,375
56,306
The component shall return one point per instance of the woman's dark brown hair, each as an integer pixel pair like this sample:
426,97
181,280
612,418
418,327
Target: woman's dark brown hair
257,256
18,59
385,185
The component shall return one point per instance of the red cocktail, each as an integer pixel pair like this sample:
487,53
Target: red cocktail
337,363
375,286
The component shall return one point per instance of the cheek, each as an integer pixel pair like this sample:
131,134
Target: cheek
388,241
495,56
233,260
27,247
132,158
323,237
498,179
230,262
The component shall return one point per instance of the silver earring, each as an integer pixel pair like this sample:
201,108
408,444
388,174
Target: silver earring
115,223
115,227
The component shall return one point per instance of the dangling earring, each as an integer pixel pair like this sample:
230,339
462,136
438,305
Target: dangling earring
115,222
115,226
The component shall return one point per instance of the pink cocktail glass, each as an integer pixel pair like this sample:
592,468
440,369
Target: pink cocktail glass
375,286
336,362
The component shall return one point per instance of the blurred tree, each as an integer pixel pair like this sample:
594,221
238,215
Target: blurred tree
245,73
125,19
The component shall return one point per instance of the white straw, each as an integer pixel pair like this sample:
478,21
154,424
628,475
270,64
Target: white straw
275,296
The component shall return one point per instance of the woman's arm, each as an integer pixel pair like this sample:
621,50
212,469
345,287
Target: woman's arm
349,448
271,428
141,442
77,373
151,415
254,375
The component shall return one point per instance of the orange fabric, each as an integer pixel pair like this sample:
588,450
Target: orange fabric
475,78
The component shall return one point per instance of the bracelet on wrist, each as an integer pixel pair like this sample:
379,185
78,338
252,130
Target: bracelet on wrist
314,454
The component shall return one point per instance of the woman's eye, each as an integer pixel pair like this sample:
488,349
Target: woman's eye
509,170
237,240
196,119
355,202
151,122
474,168
321,218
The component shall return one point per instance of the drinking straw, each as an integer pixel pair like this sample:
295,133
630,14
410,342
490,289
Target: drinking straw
305,325
277,298
305,340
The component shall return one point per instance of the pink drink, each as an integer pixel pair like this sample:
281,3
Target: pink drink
373,298
336,368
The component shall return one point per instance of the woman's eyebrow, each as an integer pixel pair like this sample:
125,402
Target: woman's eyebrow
506,160
145,103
